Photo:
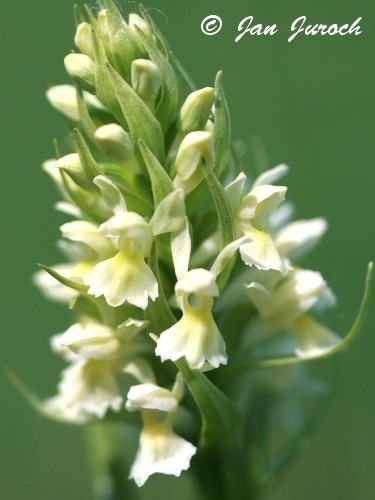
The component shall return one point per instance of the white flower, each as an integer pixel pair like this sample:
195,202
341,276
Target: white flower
196,336
252,213
92,246
160,449
89,386
87,247
125,277
285,304
300,237
92,340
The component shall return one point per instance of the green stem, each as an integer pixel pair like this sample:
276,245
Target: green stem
223,475
105,447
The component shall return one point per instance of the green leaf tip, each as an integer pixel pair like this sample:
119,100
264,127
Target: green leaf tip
36,404
161,183
80,287
89,164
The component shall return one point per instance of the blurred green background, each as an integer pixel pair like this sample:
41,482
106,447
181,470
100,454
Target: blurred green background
310,101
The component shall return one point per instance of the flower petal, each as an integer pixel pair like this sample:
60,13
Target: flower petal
90,386
261,252
160,450
300,237
271,176
195,337
151,397
181,249
312,339
111,193
92,341
123,278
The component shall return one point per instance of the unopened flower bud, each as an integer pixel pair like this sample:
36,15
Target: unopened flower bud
115,142
64,99
82,70
83,40
72,166
146,79
196,110
196,150
135,20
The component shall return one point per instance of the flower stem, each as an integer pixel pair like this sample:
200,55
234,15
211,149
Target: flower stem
108,461
224,476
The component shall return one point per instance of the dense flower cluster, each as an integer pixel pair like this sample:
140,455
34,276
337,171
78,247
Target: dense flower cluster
169,242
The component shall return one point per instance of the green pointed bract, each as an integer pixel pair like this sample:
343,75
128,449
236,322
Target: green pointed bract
161,183
86,306
80,197
98,28
219,416
183,72
89,165
222,131
169,91
142,123
163,45
86,121
103,85
223,208
38,405
123,48
159,312
169,215
78,16
132,186
79,287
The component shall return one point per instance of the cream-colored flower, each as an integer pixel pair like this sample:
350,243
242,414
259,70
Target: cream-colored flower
125,277
252,213
160,449
98,354
86,247
285,305
195,336
91,386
